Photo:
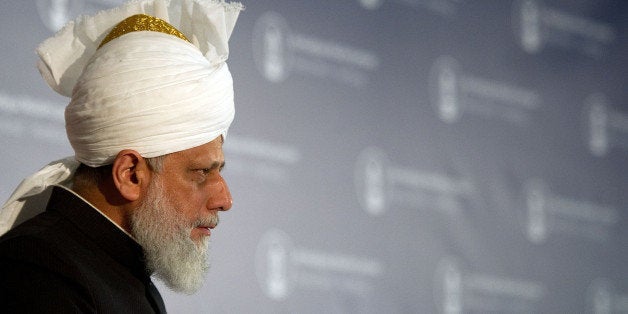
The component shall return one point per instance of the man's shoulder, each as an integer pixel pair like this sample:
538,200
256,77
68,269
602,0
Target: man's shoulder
51,235
42,240
37,256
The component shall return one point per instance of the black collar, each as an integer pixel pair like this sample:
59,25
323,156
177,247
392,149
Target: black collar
95,226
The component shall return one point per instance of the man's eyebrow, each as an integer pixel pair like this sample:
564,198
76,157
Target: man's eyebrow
213,166
217,165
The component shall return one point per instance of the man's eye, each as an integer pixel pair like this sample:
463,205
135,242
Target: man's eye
202,172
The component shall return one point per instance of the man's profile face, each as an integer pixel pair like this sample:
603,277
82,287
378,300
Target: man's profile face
180,207
192,179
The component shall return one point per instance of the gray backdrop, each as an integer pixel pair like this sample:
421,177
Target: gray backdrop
395,156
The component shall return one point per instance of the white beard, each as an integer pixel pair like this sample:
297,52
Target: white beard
164,235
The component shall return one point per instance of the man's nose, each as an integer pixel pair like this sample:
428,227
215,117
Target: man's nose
220,196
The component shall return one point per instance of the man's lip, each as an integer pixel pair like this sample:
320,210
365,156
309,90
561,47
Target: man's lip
205,229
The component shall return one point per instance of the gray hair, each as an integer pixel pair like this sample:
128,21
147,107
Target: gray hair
86,176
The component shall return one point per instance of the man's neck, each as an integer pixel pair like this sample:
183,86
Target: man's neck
106,204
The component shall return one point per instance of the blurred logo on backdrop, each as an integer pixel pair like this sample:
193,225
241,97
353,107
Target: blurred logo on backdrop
604,298
538,26
263,160
282,267
371,180
447,287
380,184
601,297
55,13
605,127
597,121
270,47
441,7
536,226
272,262
454,93
279,51
457,290
529,17
550,214
371,4
444,89
23,116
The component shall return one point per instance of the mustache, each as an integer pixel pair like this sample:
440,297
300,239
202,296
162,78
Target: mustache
210,221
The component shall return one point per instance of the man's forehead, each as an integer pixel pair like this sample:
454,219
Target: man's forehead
211,151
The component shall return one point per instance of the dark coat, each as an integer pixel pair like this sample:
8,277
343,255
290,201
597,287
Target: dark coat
72,259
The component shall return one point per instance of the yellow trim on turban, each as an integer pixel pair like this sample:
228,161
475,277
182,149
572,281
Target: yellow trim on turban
142,22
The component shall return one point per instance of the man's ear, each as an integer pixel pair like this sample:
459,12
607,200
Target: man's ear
130,173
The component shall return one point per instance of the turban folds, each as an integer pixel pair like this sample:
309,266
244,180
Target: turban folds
147,91
151,92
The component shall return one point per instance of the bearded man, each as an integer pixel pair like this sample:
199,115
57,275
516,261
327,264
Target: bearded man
151,103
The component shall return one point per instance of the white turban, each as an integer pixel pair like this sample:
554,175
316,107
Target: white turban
147,91
151,92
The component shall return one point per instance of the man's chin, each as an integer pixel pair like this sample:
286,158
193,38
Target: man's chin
187,273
